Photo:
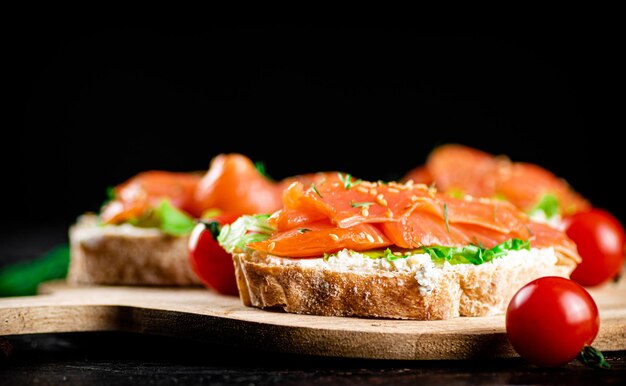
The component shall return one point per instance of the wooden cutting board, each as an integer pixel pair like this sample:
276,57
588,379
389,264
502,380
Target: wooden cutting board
202,315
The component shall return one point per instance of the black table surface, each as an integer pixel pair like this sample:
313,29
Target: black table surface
121,358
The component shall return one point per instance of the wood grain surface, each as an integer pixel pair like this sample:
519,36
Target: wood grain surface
203,315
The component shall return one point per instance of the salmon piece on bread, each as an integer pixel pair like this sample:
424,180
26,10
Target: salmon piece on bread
460,170
129,242
347,247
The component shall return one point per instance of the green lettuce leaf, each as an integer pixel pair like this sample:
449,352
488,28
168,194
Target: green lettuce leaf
549,204
471,254
174,221
167,218
244,230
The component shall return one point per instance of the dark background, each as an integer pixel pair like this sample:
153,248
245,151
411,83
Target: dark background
91,106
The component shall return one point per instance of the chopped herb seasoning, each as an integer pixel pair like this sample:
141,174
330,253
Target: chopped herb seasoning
363,204
315,190
347,181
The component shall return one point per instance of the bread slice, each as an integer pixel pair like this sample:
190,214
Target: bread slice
127,255
350,284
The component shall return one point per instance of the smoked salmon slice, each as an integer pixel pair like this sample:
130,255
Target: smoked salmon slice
370,202
234,185
331,215
313,240
419,175
459,170
145,190
544,236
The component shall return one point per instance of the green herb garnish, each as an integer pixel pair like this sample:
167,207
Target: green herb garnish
549,205
455,193
445,216
315,190
245,230
304,230
347,181
260,167
358,204
22,279
111,193
110,196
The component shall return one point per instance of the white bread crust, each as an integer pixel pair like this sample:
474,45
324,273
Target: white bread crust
469,290
126,255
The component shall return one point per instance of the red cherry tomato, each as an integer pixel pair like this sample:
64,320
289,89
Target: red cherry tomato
550,320
600,240
212,264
